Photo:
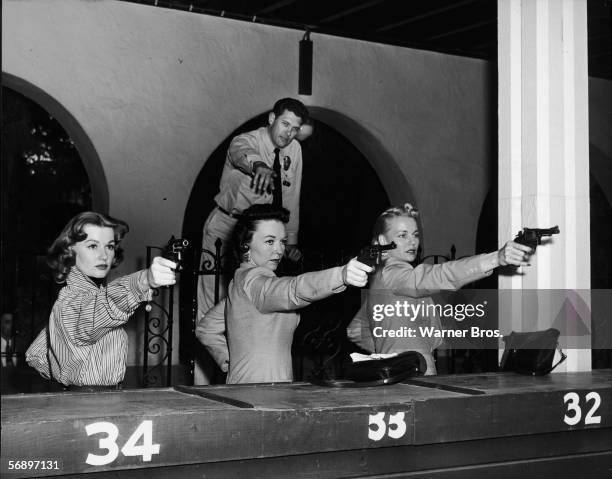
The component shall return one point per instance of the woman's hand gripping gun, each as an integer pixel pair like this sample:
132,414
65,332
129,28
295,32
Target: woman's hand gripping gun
174,252
372,255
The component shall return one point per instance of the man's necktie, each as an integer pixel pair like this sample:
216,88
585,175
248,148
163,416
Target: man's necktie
277,194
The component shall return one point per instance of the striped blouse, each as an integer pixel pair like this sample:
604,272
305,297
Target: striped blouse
88,342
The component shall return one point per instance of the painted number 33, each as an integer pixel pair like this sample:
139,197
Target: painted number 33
131,448
395,427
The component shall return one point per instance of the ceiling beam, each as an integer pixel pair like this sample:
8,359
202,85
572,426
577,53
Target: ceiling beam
350,11
276,6
473,26
430,13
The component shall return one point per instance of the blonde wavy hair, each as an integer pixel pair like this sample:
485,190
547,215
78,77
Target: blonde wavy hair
381,226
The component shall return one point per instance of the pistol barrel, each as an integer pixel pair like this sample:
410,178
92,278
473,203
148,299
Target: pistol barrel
387,247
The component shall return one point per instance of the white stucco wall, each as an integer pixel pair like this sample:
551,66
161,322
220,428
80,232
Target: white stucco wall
156,91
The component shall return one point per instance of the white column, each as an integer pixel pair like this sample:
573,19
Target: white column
544,162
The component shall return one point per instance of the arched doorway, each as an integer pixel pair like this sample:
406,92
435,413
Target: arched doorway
44,183
341,197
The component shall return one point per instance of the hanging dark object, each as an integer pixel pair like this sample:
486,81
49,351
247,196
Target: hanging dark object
305,67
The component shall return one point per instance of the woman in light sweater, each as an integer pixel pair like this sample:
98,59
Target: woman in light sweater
249,334
397,280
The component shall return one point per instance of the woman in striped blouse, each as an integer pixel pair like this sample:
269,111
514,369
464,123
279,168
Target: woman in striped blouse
85,343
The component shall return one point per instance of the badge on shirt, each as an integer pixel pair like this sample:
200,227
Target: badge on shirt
286,163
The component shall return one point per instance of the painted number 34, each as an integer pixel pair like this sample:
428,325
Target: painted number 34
143,433
395,427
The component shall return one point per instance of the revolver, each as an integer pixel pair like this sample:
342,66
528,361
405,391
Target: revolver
532,237
174,251
372,255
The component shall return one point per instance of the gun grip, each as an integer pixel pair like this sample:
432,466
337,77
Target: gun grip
366,258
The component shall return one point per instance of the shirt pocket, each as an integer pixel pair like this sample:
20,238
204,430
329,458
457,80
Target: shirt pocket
287,170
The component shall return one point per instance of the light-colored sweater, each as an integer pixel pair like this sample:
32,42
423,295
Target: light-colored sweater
260,318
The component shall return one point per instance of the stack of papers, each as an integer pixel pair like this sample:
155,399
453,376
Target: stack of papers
356,357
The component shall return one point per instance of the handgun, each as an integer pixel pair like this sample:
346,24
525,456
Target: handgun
372,255
174,251
532,237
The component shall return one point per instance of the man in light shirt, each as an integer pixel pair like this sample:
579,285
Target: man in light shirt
249,177
261,166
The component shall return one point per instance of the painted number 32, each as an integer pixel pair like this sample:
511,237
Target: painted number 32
130,448
395,427
574,412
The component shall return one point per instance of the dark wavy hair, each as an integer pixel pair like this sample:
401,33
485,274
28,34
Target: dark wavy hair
61,257
382,222
248,221
294,106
